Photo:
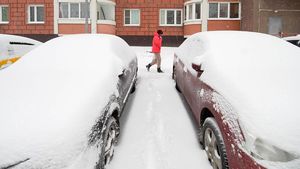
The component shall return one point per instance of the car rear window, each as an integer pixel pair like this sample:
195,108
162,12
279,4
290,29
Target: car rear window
295,42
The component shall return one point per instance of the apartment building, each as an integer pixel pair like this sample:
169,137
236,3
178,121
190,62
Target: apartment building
135,20
31,18
276,17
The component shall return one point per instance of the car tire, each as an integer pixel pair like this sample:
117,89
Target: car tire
175,79
177,87
109,140
133,88
214,145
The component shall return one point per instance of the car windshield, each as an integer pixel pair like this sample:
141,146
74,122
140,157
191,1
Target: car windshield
295,42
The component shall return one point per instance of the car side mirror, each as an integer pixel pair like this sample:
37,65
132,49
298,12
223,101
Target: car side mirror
197,68
122,73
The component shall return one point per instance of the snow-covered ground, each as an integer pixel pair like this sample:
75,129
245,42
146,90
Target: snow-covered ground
157,129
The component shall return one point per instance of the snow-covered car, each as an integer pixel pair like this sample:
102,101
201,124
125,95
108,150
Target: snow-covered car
13,47
60,104
293,39
243,90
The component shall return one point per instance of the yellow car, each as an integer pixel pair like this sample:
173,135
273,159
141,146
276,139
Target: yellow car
13,47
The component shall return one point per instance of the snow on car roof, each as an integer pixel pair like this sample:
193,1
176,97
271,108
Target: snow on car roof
259,75
53,95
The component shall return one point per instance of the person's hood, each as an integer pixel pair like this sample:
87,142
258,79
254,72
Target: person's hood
156,34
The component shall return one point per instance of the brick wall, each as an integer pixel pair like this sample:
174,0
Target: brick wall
149,17
214,25
256,15
191,29
18,17
72,28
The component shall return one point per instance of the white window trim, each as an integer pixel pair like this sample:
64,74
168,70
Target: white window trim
130,24
106,22
3,22
193,22
175,19
35,14
72,21
193,3
228,17
72,1
107,2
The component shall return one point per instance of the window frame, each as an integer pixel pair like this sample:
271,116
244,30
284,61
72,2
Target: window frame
187,17
70,8
130,13
113,12
175,17
69,11
1,21
35,14
228,11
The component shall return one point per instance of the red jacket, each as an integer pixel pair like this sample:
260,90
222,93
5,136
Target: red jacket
156,43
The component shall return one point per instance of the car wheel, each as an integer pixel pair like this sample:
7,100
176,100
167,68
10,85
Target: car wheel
109,141
175,79
133,88
214,144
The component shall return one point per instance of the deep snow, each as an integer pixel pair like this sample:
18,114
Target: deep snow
157,131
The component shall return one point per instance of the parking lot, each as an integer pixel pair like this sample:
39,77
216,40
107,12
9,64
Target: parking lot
157,131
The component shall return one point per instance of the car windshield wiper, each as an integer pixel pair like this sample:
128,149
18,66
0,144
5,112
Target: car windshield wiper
14,164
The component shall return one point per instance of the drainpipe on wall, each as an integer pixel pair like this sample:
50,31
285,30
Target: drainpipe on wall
86,25
93,14
204,15
55,22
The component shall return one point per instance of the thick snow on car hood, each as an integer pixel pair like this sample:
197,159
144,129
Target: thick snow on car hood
259,75
51,98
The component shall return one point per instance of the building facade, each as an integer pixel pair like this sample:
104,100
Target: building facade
27,17
137,20
276,17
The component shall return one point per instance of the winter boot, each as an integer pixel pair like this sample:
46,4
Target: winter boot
148,66
159,70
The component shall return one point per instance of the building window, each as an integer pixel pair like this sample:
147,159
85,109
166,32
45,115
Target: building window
132,17
3,14
234,10
198,10
36,14
73,10
170,17
105,11
192,11
213,10
224,10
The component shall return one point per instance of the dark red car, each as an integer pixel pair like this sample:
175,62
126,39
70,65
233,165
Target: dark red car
242,88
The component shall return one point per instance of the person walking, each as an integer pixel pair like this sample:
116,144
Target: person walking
156,47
